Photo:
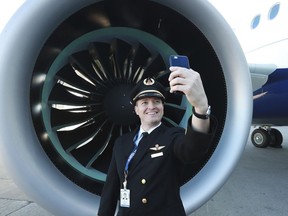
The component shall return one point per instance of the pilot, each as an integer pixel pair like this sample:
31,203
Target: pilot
145,169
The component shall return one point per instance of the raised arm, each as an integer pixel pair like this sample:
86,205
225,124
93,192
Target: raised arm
189,82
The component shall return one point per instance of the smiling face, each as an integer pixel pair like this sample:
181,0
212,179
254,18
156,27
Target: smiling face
150,111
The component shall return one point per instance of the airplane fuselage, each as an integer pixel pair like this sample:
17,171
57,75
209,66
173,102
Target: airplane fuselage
272,107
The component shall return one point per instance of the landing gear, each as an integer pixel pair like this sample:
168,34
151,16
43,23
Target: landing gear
276,138
266,136
260,138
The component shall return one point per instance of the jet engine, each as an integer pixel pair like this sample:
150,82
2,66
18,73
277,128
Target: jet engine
66,69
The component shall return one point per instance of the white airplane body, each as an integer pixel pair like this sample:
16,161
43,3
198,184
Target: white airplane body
261,29
265,42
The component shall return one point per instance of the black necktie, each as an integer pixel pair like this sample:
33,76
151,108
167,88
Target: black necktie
144,134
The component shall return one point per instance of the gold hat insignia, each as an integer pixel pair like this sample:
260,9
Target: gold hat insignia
148,81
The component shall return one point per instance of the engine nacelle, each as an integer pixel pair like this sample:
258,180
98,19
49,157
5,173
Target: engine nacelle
66,69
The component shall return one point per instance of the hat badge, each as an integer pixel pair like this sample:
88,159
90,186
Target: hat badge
148,81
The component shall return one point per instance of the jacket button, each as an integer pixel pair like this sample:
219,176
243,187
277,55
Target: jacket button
143,181
144,200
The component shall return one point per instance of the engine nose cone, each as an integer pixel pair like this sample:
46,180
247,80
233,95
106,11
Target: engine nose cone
117,105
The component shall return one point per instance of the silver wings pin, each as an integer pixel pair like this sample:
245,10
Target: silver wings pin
157,147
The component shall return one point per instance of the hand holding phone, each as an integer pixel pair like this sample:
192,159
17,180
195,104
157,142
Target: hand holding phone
179,61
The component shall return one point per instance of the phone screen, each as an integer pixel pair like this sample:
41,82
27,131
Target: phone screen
179,60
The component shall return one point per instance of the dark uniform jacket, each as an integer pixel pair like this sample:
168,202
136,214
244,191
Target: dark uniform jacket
154,183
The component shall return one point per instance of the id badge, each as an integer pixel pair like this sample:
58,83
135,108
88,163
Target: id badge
125,198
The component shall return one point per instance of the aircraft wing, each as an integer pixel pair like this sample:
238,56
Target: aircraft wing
259,74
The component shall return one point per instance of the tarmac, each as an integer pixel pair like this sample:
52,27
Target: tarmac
257,187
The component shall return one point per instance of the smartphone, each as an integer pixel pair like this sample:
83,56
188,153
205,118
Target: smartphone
179,60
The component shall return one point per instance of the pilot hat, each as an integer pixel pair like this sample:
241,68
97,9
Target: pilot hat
148,87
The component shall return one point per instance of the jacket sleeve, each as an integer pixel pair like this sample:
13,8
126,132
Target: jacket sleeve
110,192
194,145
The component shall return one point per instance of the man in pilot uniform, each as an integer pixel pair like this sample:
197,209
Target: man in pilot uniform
145,173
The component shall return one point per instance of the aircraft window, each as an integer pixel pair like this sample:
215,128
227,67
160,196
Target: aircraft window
274,11
255,22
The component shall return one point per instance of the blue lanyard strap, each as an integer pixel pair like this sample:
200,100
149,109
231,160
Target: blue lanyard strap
130,158
136,141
